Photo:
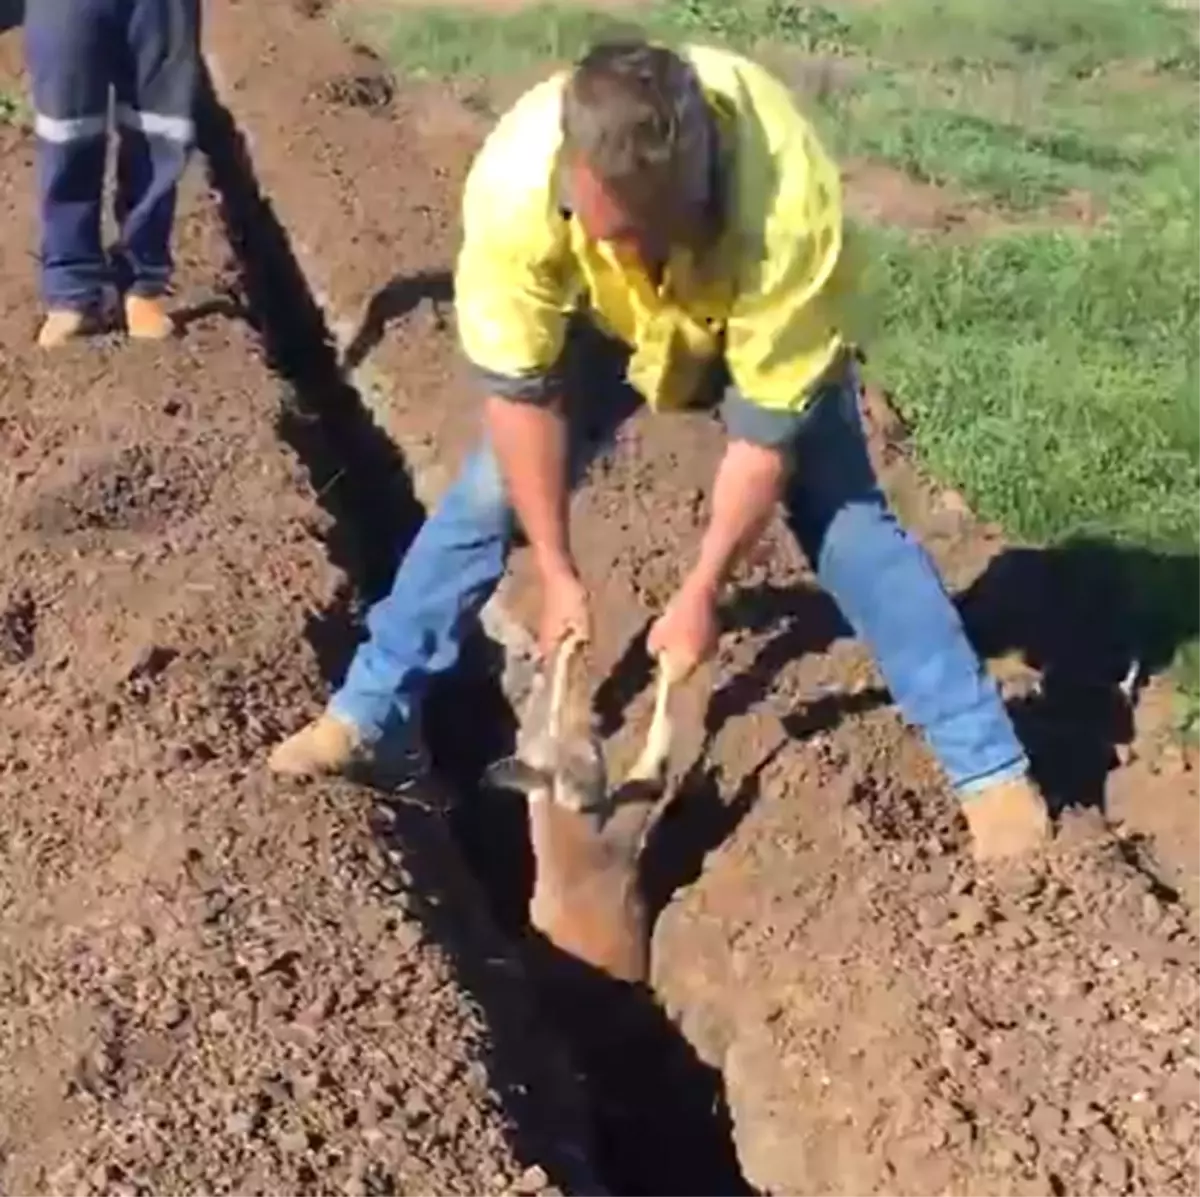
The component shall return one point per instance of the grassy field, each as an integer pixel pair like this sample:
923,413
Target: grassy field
1048,369
12,109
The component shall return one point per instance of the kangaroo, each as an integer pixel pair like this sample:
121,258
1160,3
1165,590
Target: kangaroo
586,838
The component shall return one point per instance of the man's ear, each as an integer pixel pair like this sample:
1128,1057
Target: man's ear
512,773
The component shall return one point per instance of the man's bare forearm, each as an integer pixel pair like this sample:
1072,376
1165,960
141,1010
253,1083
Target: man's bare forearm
748,485
531,445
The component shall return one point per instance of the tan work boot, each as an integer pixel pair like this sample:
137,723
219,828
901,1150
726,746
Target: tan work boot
146,319
67,324
1007,819
329,745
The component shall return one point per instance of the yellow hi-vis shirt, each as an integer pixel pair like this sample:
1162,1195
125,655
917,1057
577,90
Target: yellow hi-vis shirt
773,296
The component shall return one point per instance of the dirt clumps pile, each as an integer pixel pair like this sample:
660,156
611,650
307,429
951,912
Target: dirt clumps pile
942,1031
209,982
212,982
878,1016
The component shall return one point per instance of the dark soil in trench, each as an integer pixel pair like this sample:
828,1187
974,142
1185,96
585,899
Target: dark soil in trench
660,1122
884,1020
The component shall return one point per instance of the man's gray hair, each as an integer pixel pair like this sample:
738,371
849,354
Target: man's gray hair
636,114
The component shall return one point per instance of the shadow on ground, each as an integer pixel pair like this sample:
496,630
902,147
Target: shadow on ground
657,1112
663,1125
401,296
1095,619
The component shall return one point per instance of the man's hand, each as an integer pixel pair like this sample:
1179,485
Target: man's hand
748,484
685,634
564,609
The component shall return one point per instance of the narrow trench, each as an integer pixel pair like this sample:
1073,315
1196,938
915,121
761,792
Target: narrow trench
660,1124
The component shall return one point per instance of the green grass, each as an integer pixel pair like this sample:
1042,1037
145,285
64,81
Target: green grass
12,109
1050,374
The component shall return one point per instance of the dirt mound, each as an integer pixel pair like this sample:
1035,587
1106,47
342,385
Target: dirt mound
943,1032
211,983
207,982
878,1017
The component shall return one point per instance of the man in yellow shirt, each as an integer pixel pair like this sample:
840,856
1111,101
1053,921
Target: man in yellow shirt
678,203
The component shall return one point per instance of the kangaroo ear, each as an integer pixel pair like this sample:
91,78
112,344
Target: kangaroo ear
512,773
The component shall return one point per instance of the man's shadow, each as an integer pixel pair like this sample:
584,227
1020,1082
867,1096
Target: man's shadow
1096,619
399,297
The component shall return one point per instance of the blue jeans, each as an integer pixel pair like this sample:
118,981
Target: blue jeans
884,583
147,53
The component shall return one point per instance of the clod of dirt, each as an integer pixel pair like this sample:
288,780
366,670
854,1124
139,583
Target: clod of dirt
18,626
137,490
369,89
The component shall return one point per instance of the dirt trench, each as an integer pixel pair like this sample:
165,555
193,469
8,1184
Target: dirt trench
209,982
853,1008
878,1016
657,1121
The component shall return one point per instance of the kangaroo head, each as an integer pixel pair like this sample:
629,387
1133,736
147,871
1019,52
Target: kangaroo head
558,755
559,758
586,840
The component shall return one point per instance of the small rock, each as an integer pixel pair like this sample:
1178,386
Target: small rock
1103,1138
1185,1126
175,1014
532,1180
1177,1089
1125,753
293,1142
238,1124
1114,1171
1047,1122
969,918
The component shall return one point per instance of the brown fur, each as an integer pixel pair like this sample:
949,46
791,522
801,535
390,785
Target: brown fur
587,898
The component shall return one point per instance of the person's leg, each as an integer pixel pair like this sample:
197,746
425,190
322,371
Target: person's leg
156,93
67,48
889,591
417,631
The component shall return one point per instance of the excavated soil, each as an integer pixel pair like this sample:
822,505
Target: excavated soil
208,983
215,983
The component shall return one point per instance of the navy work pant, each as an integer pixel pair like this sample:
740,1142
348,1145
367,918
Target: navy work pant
145,55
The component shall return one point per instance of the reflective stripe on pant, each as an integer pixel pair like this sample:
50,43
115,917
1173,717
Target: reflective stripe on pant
79,53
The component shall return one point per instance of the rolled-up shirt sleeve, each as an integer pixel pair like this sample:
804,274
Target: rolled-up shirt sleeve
513,283
512,319
771,428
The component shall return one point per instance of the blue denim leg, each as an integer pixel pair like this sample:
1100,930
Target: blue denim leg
456,561
68,49
890,593
447,575
156,81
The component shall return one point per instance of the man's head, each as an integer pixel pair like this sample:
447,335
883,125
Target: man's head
638,141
